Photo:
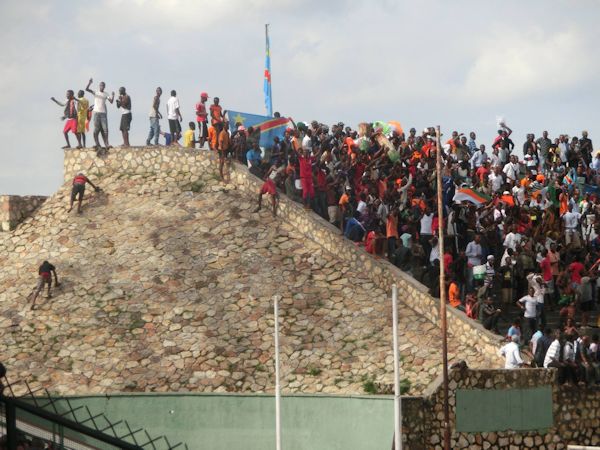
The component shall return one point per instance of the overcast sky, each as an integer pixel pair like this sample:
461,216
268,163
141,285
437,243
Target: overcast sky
456,63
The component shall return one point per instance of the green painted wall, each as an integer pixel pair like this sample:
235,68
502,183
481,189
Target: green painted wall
479,410
226,422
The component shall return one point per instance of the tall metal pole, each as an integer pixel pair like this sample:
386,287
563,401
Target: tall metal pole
397,398
277,387
443,324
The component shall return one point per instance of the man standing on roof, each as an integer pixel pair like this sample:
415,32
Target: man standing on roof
100,119
78,190
70,115
124,103
45,278
174,117
216,115
202,119
155,116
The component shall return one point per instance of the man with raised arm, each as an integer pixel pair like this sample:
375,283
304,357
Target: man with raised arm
70,115
100,119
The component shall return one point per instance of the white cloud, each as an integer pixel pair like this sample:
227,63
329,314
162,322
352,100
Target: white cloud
512,63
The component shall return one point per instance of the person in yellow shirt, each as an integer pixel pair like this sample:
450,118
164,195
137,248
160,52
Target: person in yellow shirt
189,140
83,106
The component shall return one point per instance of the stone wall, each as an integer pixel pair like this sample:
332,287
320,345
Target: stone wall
383,273
575,410
172,164
15,208
177,164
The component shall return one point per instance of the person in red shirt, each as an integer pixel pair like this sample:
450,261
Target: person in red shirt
78,190
269,187
202,118
575,268
306,176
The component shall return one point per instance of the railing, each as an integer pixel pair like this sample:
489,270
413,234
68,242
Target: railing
53,420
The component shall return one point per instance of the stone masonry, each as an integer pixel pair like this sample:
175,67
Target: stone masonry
167,285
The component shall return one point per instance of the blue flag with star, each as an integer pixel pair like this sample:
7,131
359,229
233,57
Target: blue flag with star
270,127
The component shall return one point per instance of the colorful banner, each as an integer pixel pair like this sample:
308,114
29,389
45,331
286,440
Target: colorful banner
269,127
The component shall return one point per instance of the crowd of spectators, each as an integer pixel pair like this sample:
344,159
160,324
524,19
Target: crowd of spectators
520,231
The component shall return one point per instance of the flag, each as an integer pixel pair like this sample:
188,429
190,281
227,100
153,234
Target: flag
267,83
270,127
471,195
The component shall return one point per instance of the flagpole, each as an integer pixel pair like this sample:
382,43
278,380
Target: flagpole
277,387
443,323
397,398
267,82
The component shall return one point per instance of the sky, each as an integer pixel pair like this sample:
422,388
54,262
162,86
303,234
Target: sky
459,64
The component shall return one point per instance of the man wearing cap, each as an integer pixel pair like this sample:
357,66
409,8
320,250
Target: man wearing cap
512,354
202,119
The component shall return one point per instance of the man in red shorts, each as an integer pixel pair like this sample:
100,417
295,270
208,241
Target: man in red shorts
78,190
270,187
71,116
45,279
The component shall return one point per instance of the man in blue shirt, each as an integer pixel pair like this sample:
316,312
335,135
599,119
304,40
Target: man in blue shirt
253,156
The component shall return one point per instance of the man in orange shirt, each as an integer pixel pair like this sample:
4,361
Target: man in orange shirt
213,137
391,232
344,205
454,295
223,144
216,114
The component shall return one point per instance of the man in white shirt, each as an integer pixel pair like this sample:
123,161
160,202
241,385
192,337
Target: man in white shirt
511,353
100,119
571,221
511,170
528,304
474,252
174,117
512,239
553,356
307,141
479,158
536,282
426,230
496,179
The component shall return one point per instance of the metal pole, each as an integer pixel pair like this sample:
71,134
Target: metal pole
397,398
277,387
443,324
11,426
